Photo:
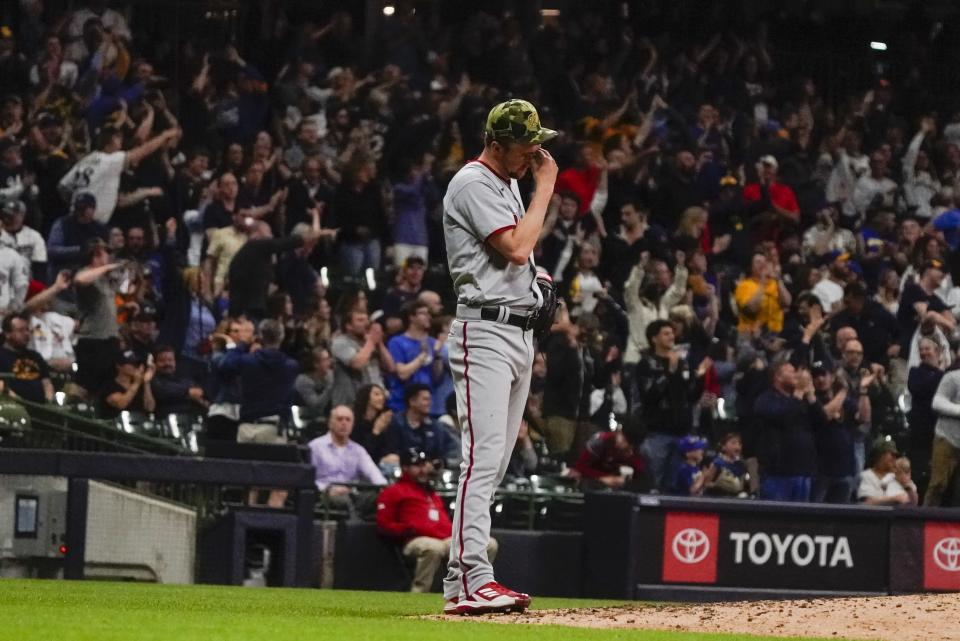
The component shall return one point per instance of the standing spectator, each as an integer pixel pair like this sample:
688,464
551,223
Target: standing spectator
411,513
99,172
875,326
409,285
412,198
14,279
336,459
312,190
415,354
875,189
251,268
666,391
945,457
830,288
651,300
140,333
266,382
97,10
358,206
359,357
225,242
919,302
71,234
922,383
563,386
761,297
836,464
98,334
30,372
787,416
314,385
770,195
920,184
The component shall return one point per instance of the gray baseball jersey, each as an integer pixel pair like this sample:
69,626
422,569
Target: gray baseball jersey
480,204
490,362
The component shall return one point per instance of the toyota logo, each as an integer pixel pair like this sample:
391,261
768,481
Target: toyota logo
691,546
946,554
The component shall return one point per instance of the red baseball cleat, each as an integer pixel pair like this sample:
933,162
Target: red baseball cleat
493,597
450,607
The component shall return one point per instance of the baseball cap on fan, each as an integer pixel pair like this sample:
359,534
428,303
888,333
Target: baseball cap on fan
517,120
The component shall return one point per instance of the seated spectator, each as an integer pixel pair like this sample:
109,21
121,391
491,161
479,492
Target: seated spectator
413,428
415,354
173,393
411,513
30,372
787,415
314,384
359,356
337,459
130,390
727,474
372,420
887,480
690,478
600,462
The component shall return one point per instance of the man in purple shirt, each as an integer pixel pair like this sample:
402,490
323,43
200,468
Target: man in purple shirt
337,459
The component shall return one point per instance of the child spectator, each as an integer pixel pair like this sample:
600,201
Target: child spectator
690,478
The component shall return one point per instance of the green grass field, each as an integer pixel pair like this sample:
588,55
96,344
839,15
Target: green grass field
97,611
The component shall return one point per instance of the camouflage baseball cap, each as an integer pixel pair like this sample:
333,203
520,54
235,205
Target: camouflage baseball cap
517,120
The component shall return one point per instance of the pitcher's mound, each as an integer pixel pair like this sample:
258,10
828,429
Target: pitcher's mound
919,617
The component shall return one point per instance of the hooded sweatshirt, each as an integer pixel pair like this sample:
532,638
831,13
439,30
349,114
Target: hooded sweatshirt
266,381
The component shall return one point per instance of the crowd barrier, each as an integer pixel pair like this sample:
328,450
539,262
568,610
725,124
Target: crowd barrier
653,547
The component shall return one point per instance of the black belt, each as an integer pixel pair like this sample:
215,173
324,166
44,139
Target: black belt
524,322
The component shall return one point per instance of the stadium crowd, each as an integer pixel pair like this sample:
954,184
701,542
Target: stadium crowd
759,278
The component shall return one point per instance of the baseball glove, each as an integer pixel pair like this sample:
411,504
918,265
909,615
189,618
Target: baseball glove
544,315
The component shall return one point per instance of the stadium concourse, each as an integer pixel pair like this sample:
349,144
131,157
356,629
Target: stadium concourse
221,227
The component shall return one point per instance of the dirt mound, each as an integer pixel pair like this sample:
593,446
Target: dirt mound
924,617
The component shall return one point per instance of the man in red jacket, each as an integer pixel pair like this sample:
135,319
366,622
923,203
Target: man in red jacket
412,514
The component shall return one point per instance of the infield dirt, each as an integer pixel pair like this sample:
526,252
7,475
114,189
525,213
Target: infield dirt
921,617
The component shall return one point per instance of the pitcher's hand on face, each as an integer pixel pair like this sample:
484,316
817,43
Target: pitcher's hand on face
544,167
